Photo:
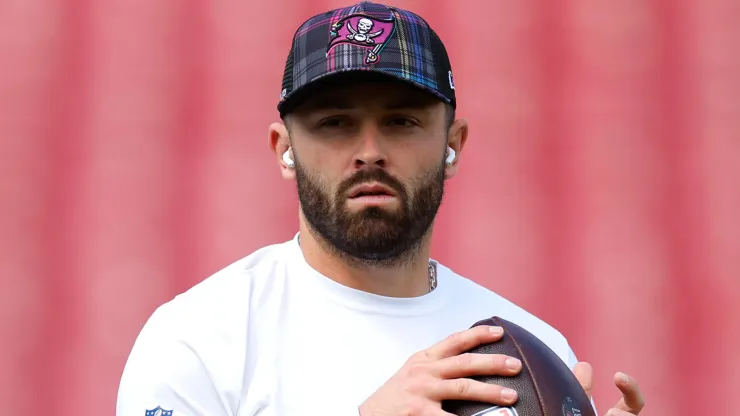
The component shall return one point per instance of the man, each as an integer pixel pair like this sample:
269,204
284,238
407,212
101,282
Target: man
351,317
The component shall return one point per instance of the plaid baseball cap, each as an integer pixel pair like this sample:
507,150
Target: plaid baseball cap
368,40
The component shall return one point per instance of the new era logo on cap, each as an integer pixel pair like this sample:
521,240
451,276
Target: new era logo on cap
368,37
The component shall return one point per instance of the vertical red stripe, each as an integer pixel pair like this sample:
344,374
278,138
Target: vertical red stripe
53,359
554,148
679,216
189,141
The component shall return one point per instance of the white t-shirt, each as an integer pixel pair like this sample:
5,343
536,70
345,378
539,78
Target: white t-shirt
270,336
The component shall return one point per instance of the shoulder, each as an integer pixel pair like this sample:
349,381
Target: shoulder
218,306
227,291
484,303
191,351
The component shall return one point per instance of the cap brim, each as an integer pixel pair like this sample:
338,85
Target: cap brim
345,77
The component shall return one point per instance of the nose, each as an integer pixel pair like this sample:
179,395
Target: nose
370,152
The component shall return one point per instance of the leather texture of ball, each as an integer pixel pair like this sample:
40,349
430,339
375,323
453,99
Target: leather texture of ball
546,386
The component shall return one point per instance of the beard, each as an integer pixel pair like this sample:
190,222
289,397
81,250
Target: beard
373,236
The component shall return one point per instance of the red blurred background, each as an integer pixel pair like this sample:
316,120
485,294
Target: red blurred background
600,187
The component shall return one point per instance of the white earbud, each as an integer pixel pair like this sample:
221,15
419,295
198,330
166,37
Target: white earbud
450,155
286,158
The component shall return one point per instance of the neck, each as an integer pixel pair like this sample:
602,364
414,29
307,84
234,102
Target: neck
407,279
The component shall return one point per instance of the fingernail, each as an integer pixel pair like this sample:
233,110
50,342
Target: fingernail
513,363
508,394
496,330
623,378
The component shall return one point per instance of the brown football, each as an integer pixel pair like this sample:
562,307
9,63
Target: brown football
546,385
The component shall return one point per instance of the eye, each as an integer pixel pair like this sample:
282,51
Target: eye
403,122
333,122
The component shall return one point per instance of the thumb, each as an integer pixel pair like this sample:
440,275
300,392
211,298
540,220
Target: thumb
585,375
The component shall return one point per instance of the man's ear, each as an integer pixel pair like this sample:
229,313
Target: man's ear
280,143
457,136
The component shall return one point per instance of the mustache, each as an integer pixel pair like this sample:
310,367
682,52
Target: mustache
372,175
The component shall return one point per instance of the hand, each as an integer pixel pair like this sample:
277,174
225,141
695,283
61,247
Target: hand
440,373
632,401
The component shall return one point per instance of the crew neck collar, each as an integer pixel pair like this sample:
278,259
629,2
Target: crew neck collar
370,302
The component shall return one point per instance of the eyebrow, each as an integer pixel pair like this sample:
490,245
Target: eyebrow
330,103
412,102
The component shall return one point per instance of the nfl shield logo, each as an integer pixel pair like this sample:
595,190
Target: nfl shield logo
158,411
498,411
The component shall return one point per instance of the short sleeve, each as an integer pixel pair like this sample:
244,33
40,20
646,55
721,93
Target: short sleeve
163,371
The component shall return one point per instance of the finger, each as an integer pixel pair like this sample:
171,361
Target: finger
632,399
461,342
471,390
469,365
585,375
617,412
